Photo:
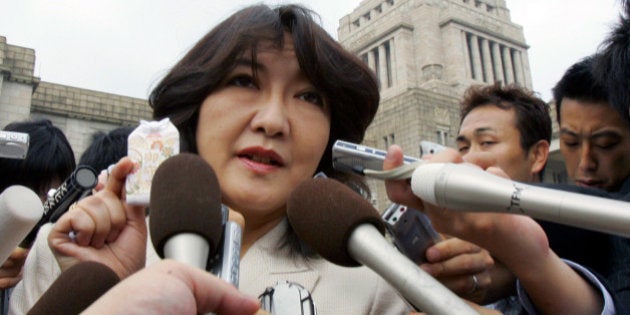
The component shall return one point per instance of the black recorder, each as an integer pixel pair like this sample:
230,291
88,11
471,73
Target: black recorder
411,231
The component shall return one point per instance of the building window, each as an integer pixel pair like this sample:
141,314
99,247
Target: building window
378,9
389,140
356,23
367,16
390,2
442,136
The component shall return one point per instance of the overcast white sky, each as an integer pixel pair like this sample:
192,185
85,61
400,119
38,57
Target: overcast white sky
125,46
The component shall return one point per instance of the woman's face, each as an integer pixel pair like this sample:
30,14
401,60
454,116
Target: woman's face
265,135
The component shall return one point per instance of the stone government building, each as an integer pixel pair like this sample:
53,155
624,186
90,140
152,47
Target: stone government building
425,53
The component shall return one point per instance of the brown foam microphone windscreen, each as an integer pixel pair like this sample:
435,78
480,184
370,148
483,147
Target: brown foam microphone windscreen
324,212
185,198
75,289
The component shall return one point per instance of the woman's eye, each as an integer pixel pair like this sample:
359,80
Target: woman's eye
487,143
463,149
242,81
312,97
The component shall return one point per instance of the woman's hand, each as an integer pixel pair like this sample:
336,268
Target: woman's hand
103,228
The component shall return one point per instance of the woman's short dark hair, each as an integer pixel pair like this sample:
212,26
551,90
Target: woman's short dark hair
347,84
49,158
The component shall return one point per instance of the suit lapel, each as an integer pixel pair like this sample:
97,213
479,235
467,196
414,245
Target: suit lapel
264,265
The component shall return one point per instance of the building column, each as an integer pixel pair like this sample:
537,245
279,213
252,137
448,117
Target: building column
382,64
527,76
487,60
476,58
468,62
507,59
392,56
498,65
518,67
371,61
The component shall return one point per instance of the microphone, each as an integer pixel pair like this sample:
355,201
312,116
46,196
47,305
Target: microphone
76,289
188,222
346,230
76,186
465,188
20,210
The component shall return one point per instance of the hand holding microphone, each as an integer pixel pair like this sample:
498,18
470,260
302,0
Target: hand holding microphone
516,240
170,287
103,228
166,287
78,185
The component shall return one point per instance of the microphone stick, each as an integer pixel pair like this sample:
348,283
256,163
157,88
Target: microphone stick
346,230
466,188
20,210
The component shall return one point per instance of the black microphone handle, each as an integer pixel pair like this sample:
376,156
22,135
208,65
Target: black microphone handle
79,184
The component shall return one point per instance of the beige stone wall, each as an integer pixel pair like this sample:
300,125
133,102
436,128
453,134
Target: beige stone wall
15,101
81,112
411,117
16,82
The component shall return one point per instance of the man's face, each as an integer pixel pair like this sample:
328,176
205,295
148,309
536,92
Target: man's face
493,130
595,143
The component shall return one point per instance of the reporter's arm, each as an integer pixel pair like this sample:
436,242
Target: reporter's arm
608,307
517,241
170,287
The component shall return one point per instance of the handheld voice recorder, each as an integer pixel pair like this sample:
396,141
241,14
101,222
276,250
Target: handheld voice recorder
225,264
411,231
13,145
355,158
